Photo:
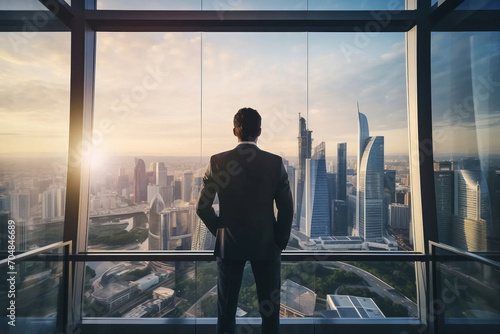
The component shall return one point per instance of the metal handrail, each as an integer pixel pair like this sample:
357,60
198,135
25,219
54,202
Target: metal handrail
64,301
468,255
285,256
23,256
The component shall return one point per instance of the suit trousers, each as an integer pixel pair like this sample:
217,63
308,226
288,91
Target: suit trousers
267,276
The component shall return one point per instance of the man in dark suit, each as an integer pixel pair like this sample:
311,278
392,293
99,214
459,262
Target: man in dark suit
247,181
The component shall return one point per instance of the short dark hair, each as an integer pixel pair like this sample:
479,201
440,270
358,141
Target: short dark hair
247,123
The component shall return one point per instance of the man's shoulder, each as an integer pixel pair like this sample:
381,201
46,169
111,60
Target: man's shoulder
220,155
275,156
245,150
270,155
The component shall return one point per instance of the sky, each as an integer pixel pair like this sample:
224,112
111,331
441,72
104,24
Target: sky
176,93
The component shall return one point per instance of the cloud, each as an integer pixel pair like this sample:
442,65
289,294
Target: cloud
394,54
267,71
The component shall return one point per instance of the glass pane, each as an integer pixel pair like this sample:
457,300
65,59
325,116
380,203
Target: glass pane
357,110
266,71
21,5
391,5
366,290
373,290
150,4
292,79
467,290
146,142
34,108
38,278
144,289
466,105
228,5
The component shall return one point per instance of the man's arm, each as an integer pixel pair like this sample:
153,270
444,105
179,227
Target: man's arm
204,209
284,204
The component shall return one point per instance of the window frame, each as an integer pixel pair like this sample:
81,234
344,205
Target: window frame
418,20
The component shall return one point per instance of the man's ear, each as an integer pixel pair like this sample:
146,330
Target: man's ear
260,131
234,132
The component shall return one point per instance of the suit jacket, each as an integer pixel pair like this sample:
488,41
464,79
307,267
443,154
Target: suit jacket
247,181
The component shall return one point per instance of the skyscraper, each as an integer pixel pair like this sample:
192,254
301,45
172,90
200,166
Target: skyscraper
53,200
187,186
342,171
140,181
390,184
4,203
399,216
339,220
332,194
152,166
389,192
155,229
332,186
305,146
177,191
203,239
444,186
123,184
370,184
176,228
317,206
161,174
20,205
153,189
471,211
351,214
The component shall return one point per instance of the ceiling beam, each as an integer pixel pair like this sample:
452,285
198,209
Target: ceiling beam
252,21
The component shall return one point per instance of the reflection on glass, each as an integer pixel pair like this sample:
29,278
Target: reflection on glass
34,108
465,74
40,279
467,291
357,117
391,285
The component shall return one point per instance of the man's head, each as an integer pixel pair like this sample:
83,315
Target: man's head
247,124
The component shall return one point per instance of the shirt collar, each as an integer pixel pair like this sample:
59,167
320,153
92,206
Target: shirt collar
247,142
